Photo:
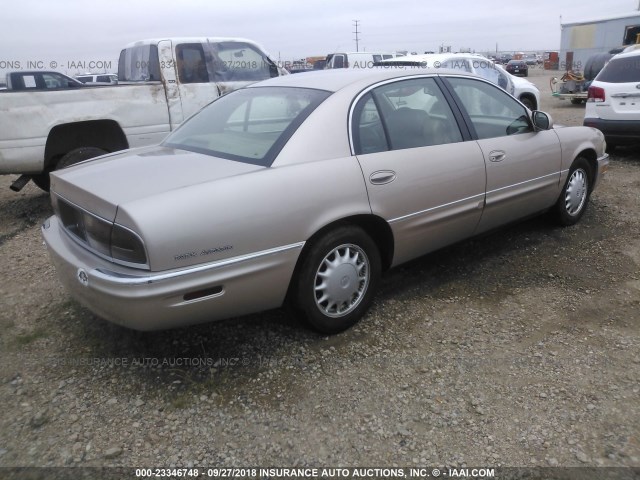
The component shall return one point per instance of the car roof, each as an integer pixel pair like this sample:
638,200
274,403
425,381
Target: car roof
435,57
155,41
631,53
337,79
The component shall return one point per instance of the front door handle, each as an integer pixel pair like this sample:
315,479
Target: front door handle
382,177
497,155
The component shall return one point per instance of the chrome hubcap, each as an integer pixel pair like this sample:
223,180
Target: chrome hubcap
576,193
341,280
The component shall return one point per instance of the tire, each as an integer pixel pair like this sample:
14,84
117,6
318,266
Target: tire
528,102
78,155
338,279
577,101
574,197
74,156
42,181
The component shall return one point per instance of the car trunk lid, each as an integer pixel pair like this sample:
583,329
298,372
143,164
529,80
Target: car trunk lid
100,185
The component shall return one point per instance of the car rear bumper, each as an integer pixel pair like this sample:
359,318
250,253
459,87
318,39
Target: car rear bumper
616,131
160,300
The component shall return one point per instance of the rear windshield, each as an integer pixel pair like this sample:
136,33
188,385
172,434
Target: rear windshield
621,70
249,125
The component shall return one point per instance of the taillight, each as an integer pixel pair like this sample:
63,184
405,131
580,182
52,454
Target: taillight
595,94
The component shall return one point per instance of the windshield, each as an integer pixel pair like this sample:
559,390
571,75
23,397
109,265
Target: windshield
249,125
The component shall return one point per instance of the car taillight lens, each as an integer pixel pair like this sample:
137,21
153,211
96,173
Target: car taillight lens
126,246
595,94
101,236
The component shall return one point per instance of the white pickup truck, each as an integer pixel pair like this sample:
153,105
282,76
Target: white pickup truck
160,84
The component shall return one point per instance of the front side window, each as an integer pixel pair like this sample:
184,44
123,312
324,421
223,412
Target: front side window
53,81
404,114
249,125
493,113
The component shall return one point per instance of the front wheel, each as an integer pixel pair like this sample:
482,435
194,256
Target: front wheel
338,278
574,197
529,103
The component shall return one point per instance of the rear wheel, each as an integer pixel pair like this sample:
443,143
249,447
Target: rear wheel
79,155
74,156
338,279
42,181
574,197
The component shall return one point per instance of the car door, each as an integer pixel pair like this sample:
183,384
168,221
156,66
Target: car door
421,176
523,165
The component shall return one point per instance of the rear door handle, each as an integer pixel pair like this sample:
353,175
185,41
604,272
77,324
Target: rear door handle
382,177
497,155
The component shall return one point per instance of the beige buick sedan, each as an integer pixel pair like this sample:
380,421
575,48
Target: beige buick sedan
304,189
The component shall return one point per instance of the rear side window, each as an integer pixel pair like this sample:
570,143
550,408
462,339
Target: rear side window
222,62
403,114
139,64
621,70
338,61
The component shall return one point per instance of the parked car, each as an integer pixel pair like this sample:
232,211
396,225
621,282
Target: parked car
355,59
517,67
504,58
98,78
522,89
250,206
161,83
39,81
613,101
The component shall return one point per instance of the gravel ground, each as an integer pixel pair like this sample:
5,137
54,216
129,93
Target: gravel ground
520,348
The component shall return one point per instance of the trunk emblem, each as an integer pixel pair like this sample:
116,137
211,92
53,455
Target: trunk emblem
82,276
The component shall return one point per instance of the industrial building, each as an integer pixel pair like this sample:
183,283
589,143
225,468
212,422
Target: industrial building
580,40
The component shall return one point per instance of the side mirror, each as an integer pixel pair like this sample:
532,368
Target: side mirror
541,120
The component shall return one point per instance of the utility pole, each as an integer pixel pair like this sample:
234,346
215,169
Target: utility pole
355,24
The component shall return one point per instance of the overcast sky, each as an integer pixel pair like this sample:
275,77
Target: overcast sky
64,31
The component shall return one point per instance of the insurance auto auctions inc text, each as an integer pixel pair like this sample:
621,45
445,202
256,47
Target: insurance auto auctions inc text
275,473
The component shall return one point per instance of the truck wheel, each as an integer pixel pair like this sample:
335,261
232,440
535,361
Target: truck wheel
78,155
42,181
576,101
74,156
